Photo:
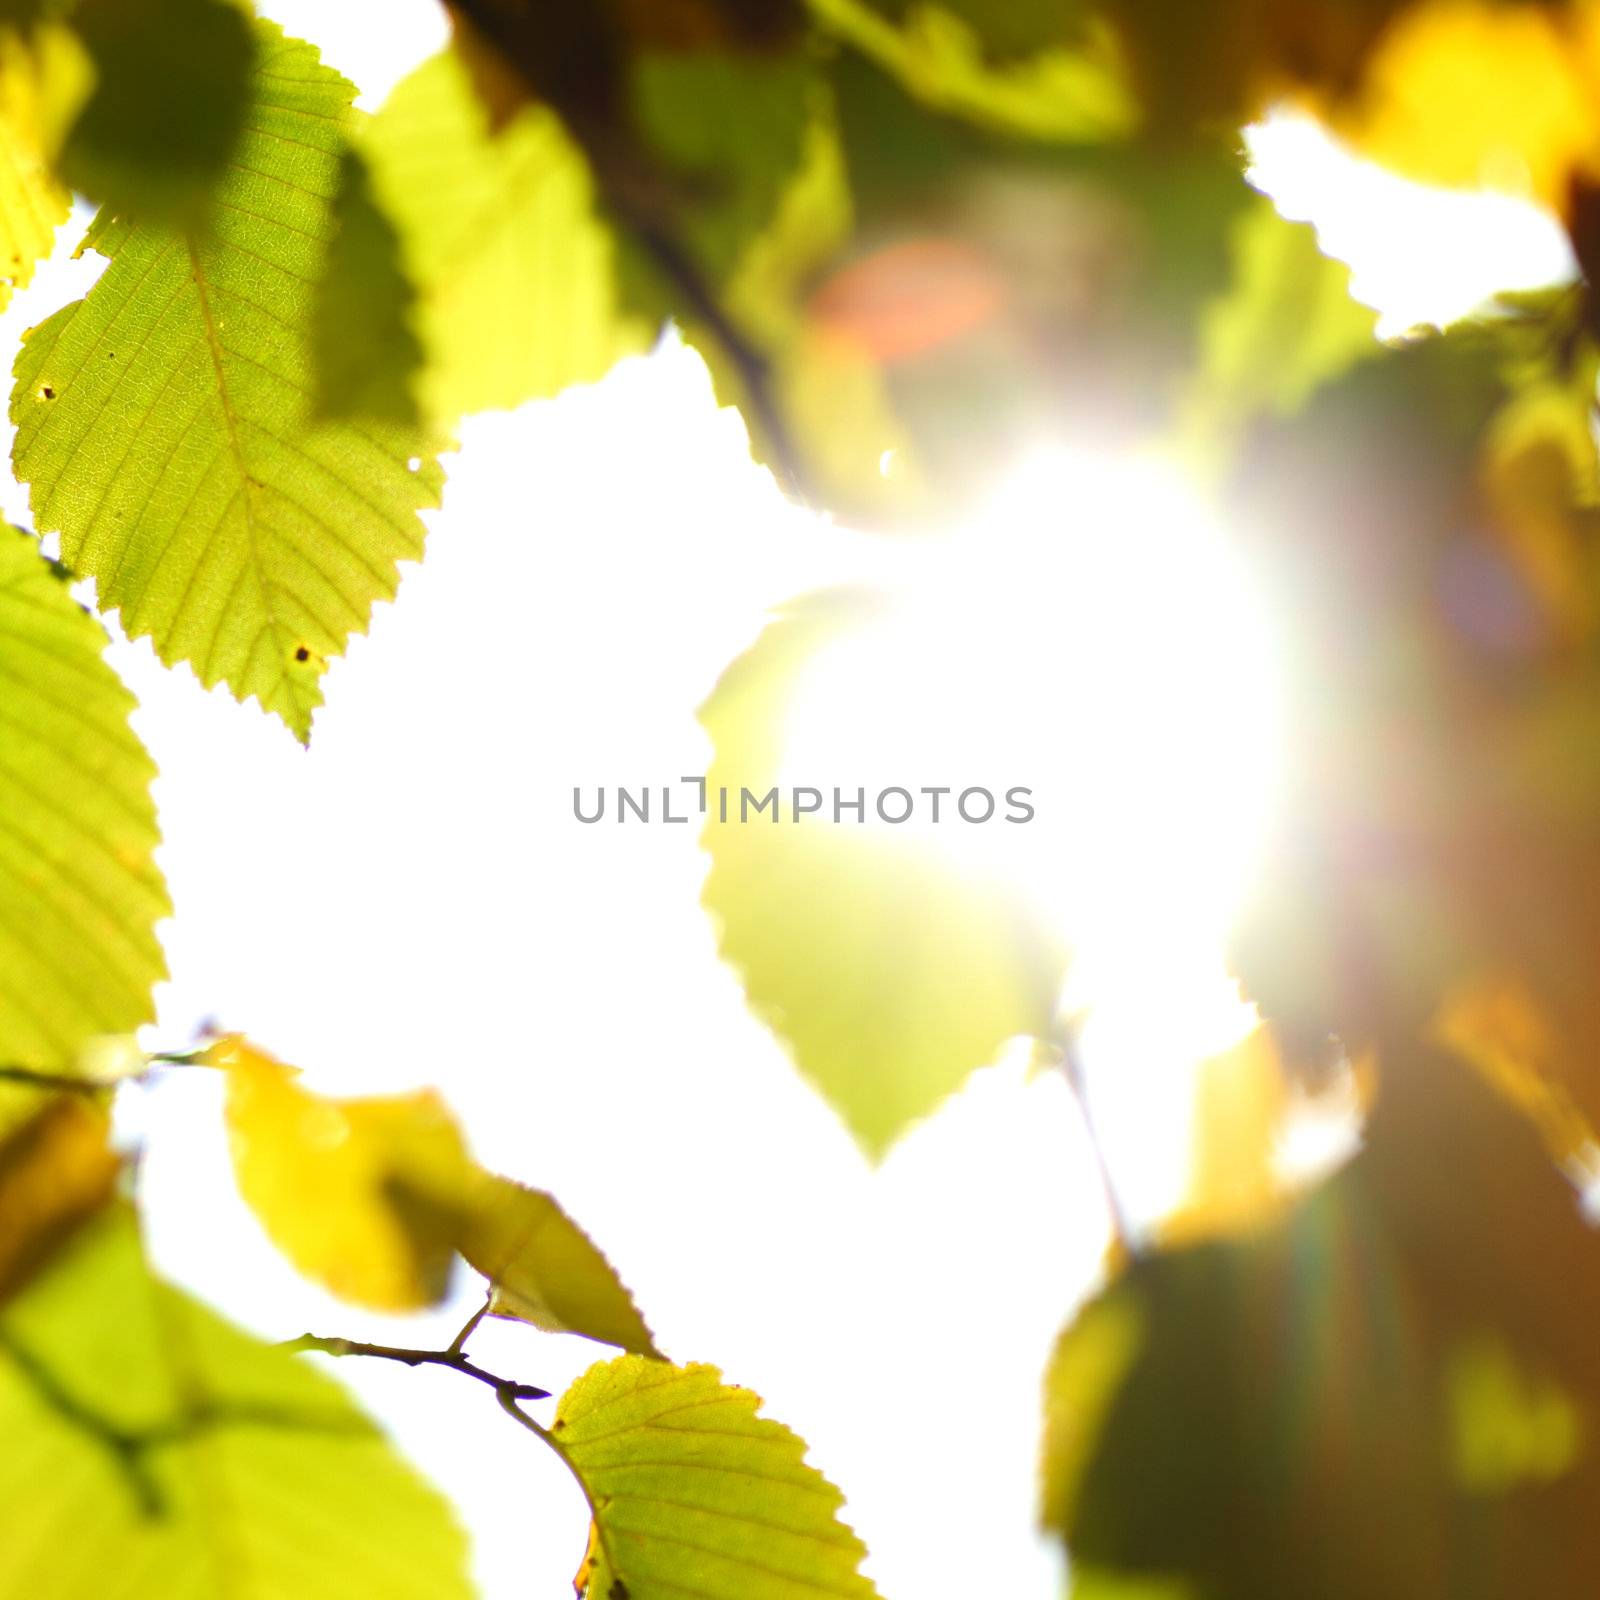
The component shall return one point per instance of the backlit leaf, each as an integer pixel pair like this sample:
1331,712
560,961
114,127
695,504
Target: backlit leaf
1285,326
57,1170
374,1197
171,91
153,1448
33,202
163,422
696,1494
891,973
512,268
1392,1391
80,895
1074,91
358,1194
544,1269
367,356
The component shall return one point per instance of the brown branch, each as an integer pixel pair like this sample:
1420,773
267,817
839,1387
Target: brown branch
453,1359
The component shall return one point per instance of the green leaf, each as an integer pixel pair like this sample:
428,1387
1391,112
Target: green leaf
545,1269
1286,326
80,894
891,972
171,90
693,1493
513,269
1074,91
366,352
163,422
727,132
152,1447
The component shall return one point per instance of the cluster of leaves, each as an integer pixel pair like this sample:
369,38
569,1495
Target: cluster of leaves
907,238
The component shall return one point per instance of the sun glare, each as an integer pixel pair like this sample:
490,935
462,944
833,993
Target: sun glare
1093,637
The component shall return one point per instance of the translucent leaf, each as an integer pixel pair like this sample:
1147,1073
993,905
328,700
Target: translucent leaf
163,422
1480,95
367,356
545,1270
937,52
171,88
1241,1105
1286,326
358,1194
33,203
694,1493
1388,1392
512,268
726,133
185,1458
80,895
891,972
374,1197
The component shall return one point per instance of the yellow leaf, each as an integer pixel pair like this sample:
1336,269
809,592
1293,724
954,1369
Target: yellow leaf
56,1171
33,202
1498,1027
1240,1104
373,1198
359,1194
544,1268
1468,95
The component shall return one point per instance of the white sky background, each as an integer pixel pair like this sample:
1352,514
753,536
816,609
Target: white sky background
411,902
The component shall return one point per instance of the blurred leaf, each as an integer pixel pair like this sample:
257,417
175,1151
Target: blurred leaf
172,91
694,1493
359,1194
891,972
1060,77
1021,28
33,203
1479,94
57,1170
513,269
1442,827
1392,1392
544,1269
366,355
162,422
187,1458
725,134
1285,326
1241,1105
80,895
373,1197
1220,66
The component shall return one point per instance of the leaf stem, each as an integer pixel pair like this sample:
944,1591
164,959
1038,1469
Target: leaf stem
469,1327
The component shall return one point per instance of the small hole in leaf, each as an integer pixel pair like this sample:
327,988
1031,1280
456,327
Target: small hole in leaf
47,393
415,464
302,654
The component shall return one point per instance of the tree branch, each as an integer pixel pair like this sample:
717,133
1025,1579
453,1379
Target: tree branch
505,1388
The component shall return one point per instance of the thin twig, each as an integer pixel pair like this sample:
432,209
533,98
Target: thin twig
508,1404
1072,1070
453,1359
